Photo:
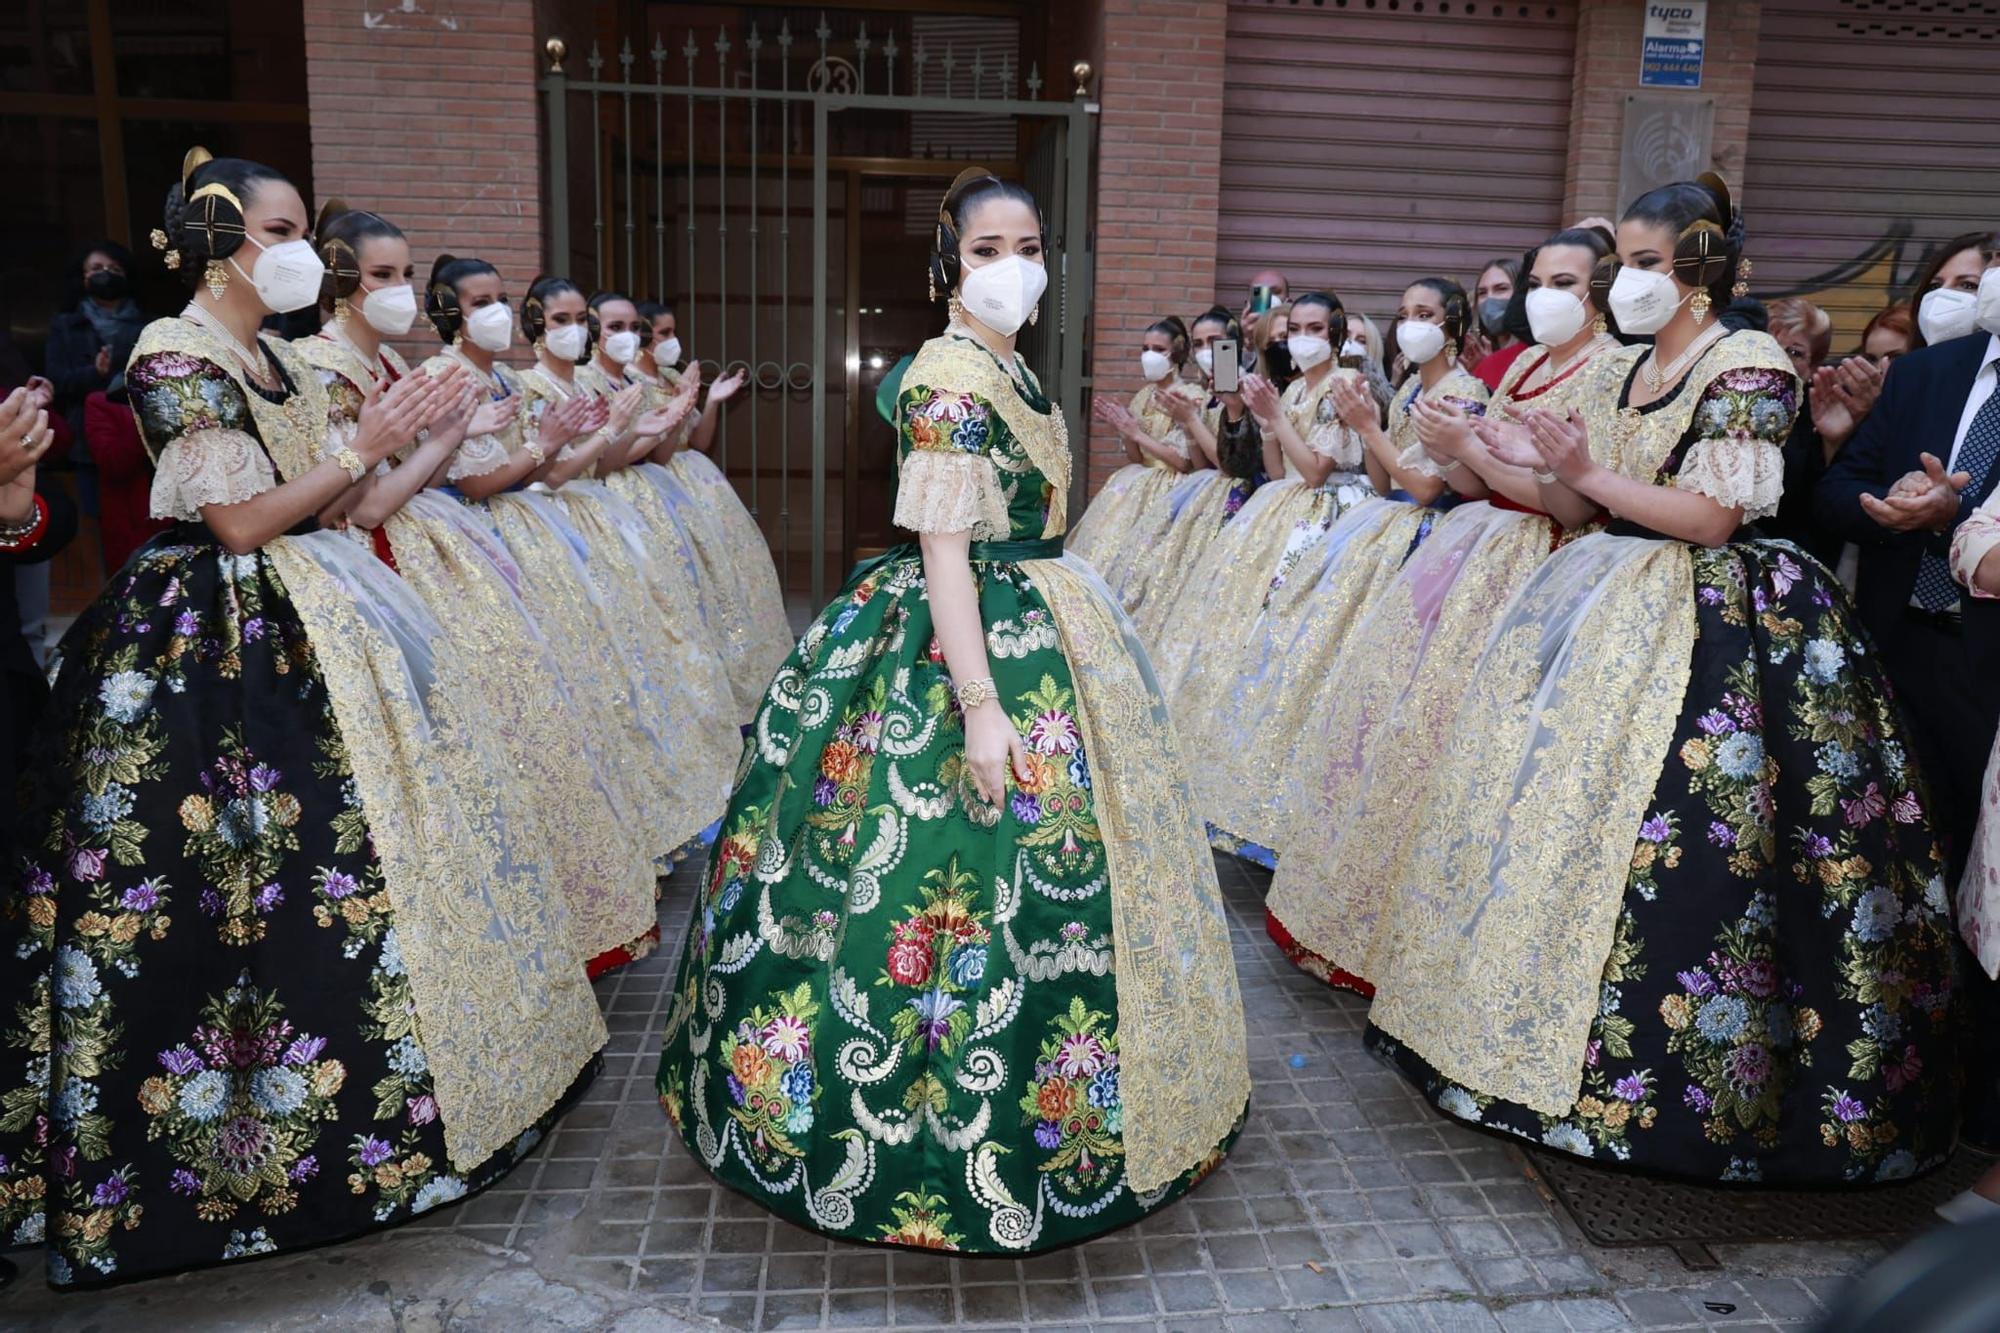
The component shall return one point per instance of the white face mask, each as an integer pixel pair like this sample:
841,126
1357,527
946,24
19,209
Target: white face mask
1946,313
491,327
1555,316
286,275
1419,341
1000,294
1154,365
566,342
1205,358
621,346
1989,300
390,310
1308,350
1642,301
1357,350
667,353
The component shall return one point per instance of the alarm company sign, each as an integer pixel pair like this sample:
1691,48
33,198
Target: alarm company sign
1670,56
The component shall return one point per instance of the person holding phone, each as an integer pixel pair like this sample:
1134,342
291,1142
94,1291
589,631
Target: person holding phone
1116,531
1269,289
1205,499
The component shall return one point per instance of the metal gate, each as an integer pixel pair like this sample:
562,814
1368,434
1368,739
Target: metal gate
697,177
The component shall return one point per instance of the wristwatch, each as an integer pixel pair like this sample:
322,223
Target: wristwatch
974,693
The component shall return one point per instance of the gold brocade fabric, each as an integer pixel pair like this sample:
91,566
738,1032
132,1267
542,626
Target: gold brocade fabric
733,558
565,601
1152,589
1362,757
460,570
1123,520
683,690
1493,959
964,366
1183,1061
292,433
1252,710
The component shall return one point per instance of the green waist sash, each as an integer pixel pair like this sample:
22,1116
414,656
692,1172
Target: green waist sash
1029,548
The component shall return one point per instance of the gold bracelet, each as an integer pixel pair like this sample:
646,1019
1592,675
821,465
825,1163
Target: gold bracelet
976,692
536,452
356,468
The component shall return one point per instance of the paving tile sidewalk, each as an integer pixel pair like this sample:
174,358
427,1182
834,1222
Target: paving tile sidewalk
1348,1204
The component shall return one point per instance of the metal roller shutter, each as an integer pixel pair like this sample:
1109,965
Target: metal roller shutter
1370,142
1871,139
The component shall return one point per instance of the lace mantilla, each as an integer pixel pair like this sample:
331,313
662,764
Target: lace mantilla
951,492
1749,474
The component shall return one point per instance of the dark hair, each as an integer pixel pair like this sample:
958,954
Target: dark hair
1896,317
1708,233
652,310
110,249
1457,307
339,235
1176,334
1987,243
534,319
441,292
966,194
1603,268
598,301
1326,300
212,227
1232,327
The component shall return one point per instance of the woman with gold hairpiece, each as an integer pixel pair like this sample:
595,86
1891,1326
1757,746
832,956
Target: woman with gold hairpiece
738,580
1675,902
1367,742
1115,532
657,659
1199,503
693,508
959,975
1253,709
289,973
449,556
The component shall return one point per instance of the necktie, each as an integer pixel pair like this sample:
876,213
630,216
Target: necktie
1936,589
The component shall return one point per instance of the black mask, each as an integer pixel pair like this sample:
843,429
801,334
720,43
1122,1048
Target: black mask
1493,315
109,284
1278,362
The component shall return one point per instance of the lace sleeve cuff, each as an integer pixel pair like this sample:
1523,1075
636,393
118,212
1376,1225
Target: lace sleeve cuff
1417,459
208,467
1975,537
1745,473
477,456
951,492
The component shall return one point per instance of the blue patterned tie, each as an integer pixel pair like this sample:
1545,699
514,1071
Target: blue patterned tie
1936,589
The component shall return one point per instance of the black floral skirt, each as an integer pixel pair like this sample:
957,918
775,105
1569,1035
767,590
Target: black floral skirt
1778,1005
208,1048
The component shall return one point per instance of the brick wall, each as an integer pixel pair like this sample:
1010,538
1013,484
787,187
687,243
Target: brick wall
1159,160
434,128
1607,71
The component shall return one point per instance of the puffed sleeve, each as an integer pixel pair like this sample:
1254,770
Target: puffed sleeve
195,415
1977,535
1738,457
1329,437
948,481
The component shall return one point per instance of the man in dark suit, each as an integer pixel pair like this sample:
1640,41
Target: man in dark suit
1924,458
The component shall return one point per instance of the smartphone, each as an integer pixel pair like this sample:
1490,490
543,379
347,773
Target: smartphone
1228,367
1349,361
1262,299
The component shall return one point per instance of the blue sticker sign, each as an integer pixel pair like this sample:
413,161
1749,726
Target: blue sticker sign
1670,56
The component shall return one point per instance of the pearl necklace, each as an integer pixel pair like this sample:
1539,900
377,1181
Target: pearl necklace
1658,376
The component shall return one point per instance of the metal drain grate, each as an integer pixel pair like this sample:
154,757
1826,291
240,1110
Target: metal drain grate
1617,1208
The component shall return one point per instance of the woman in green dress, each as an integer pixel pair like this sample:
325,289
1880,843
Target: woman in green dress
959,976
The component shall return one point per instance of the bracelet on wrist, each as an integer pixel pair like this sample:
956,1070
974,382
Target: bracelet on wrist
355,465
535,451
21,535
1545,478
974,693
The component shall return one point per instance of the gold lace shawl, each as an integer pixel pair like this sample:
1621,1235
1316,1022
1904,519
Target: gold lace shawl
1155,420
954,364
337,357
1328,438
1184,1070
292,433
480,454
1502,922
1457,383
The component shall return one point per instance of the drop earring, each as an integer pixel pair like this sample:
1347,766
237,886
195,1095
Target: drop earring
955,309
1034,316
341,311
216,275
1600,326
1698,305
930,282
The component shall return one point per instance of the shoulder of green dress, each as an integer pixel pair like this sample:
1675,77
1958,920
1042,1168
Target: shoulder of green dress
937,419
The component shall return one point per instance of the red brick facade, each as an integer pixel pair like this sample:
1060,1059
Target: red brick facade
1159,162
435,128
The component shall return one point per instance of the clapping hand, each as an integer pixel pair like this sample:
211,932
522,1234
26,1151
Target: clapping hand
1356,404
727,387
24,434
390,417
1445,430
565,421
1262,398
1564,444
1179,407
491,416
1509,442
623,407
1926,500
